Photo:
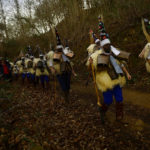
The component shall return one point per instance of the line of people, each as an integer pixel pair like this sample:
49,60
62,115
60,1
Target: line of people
107,63
56,63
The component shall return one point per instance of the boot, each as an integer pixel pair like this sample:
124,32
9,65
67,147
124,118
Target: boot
29,81
47,86
119,111
23,81
36,82
103,111
66,95
43,85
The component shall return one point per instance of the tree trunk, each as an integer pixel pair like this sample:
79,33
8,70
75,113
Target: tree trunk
4,19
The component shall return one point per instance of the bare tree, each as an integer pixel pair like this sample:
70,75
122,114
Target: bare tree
18,17
4,19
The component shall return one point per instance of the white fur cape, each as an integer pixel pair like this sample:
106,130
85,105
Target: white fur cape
20,67
103,80
145,54
37,70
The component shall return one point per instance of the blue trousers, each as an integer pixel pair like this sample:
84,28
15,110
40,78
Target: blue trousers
64,81
28,75
116,92
44,78
32,77
23,75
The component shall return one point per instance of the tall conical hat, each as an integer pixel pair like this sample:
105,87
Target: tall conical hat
39,51
66,43
52,47
29,50
59,45
30,53
103,34
21,54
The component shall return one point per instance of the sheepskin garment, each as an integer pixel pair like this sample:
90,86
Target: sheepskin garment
103,80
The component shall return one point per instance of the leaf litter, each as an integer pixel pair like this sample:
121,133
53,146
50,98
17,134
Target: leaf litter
35,120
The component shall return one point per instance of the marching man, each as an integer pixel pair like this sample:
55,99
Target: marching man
109,74
41,71
146,51
61,66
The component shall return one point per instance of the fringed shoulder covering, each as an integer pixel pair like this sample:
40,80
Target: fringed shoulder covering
90,49
103,80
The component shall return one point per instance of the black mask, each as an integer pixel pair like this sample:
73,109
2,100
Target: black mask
107,48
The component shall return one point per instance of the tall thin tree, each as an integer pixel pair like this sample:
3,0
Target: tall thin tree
4,19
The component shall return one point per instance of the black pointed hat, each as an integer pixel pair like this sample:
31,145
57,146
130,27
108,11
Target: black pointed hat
59,45
29,50
39,51
66,43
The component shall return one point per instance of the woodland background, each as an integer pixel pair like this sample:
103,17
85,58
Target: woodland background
33,119
29,22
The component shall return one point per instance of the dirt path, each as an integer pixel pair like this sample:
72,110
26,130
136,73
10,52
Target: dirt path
137,107
137,98
34,120
131,96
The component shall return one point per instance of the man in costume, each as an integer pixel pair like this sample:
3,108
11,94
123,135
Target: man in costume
41,71
69,55
109,73
60,65
10,67
21,65
31,69
15,72
29,64
6,70
146,51
25,68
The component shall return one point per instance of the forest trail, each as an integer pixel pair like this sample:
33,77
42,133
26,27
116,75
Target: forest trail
136,106
135,97
33,119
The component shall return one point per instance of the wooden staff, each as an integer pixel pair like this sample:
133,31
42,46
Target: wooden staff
96,89
55,87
